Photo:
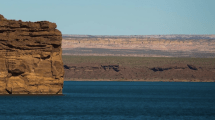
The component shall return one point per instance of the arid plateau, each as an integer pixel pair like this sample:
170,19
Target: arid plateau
180,58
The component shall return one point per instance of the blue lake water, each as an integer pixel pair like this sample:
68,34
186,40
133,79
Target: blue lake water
116,100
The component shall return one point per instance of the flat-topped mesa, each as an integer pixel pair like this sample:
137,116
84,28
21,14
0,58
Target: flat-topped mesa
30,57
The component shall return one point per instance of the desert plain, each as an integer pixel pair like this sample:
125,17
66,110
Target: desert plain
180,58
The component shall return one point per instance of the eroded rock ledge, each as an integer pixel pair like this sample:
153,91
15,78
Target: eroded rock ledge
30,57
169,72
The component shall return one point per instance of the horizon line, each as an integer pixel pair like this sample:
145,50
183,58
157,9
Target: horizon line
139,35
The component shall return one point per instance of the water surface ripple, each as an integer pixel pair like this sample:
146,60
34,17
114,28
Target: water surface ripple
116,100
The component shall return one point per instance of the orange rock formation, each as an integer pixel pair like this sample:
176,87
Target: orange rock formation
30,57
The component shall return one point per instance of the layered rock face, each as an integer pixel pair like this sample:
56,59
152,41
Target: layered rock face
30,57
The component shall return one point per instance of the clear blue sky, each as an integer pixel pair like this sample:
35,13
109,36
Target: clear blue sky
117,17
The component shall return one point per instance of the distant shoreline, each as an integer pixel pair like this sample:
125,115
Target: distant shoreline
146,69
140,80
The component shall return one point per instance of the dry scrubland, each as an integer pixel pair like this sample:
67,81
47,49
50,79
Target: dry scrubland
157,58
138,68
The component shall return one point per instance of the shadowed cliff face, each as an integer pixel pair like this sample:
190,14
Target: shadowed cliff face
30,57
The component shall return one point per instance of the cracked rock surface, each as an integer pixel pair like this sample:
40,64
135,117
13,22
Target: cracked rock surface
30,57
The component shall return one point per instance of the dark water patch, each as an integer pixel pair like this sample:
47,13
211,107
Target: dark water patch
116,100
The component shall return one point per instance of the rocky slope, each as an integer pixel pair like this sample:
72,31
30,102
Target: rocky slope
30,57
172,72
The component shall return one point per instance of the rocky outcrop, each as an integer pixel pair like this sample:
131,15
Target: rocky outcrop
173,72
155,69
30,57
192,67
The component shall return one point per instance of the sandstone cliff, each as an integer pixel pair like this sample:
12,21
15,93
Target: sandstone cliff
30,57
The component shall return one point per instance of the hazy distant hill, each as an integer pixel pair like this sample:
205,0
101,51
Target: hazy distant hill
175,37
140,45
